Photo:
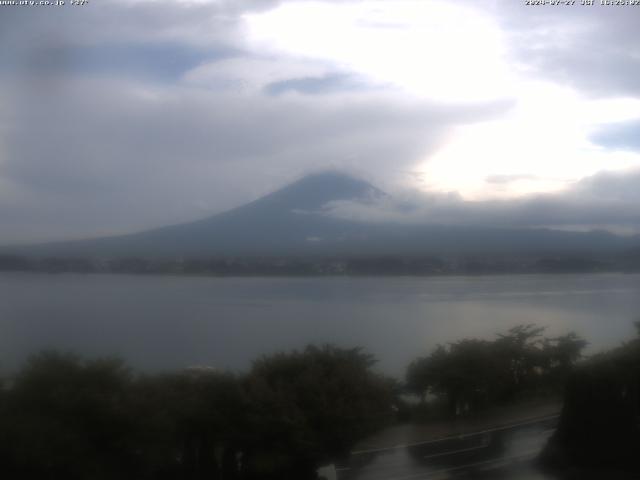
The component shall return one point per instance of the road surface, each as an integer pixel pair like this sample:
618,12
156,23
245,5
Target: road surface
506,452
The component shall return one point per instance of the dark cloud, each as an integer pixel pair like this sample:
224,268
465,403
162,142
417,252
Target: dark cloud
594,49
616,186
330,83
162,62
603,201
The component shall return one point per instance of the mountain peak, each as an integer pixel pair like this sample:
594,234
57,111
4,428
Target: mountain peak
315,190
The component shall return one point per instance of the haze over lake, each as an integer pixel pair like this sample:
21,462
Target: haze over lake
168,322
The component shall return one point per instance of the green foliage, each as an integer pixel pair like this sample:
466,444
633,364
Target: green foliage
64,417
471,374
311,406
189,424
598,431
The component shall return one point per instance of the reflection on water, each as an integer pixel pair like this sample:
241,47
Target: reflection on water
170,322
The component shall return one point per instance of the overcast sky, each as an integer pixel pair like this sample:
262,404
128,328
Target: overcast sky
122,115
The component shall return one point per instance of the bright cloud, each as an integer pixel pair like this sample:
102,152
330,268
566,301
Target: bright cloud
543,141
453,54
428,48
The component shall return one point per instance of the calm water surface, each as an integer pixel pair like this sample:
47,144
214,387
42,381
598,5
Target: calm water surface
159,322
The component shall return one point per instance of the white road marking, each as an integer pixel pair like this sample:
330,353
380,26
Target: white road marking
455,437
453,452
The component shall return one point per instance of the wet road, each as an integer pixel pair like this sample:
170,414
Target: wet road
499,453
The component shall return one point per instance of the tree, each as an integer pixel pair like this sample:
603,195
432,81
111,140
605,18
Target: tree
520,354
562,352
471,374
463,373
190,424
310,407
65,418
598,430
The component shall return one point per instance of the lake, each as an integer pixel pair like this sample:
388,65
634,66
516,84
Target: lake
169,322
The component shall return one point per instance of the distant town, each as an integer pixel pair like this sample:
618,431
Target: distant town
330,266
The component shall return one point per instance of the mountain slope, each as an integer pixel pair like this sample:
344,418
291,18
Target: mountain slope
287,221
290,222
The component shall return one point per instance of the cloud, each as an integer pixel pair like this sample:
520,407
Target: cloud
506,179
140,114
432,49
105,156
143,113
593,49
328,83
250,74
608,200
